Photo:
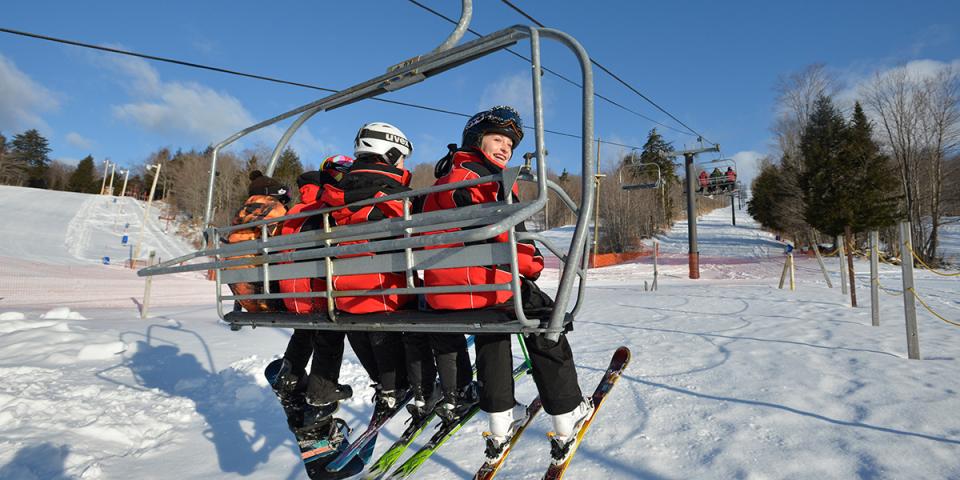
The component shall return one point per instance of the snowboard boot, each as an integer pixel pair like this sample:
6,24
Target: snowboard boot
290,388
565,429
455,404
318,409
503,425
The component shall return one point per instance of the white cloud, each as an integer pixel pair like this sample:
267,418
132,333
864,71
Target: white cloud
22,99
514,90
748,166
77,140
195,111
857,82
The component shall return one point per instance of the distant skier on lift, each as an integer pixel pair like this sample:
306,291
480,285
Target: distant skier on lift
731,178
704,181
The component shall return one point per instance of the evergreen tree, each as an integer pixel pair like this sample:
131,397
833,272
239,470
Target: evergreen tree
766,196
287,170
827,176
653,152
32,149
876,185
84,178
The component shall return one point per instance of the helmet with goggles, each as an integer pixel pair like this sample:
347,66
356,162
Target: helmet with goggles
500,119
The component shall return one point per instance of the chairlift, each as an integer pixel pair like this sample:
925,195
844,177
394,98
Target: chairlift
641,186
710,183
396,241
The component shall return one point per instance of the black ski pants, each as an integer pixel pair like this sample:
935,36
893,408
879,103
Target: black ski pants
327,351
553,371
421,369
453,361
382,356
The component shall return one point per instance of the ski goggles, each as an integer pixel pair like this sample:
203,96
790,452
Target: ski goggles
340,163
502,117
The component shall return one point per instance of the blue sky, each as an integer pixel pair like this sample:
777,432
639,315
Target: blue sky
711,64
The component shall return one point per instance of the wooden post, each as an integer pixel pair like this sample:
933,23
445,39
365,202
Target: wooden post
841,253
146,290
909,302
792,272
851,276
783,275
823,268
656,254
875,278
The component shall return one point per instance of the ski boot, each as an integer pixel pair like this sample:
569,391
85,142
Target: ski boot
503,425
423,402
456,404
565,429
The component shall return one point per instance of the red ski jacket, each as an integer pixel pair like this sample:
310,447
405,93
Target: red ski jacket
469,164
311,184
368,179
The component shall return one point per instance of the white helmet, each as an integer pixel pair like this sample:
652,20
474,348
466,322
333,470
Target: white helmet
382,139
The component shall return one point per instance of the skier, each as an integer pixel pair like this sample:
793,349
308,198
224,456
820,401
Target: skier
488,142
267,198
308,400
380,150
731,177
704,180
716,180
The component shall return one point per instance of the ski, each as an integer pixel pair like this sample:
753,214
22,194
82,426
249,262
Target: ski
489,469
382,466
617,364
446,431
417,425
369,436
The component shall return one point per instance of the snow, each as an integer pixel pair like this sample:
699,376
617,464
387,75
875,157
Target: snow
731,377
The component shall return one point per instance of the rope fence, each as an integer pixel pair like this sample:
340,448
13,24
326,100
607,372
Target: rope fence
935,314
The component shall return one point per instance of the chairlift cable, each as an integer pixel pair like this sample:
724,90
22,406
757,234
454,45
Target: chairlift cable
255,76
557,74
615,76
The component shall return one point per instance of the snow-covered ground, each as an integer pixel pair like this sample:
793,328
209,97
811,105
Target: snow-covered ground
731,377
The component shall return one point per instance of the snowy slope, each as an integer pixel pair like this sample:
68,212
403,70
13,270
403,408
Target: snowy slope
731,378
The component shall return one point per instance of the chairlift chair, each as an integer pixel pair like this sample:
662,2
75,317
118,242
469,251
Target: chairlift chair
397,241
641,186
716,187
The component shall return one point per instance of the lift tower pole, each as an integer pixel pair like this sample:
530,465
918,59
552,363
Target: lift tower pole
693,257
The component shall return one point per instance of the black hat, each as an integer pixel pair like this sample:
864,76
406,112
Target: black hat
261,184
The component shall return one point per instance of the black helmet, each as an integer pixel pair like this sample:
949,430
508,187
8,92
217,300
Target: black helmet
500,119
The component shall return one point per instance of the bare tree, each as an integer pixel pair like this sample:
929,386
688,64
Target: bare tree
12,169
919,119
58,175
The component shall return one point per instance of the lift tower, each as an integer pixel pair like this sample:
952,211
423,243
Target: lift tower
693,257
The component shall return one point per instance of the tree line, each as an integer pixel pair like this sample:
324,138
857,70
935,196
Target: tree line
894,157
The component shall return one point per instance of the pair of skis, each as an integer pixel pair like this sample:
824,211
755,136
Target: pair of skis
555,471
487,471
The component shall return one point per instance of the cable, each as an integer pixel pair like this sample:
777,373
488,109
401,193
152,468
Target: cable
615,77
261,77
562,77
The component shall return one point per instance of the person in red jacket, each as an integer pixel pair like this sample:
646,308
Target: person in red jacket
704,180
380,150
488,142
731,177
321,389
